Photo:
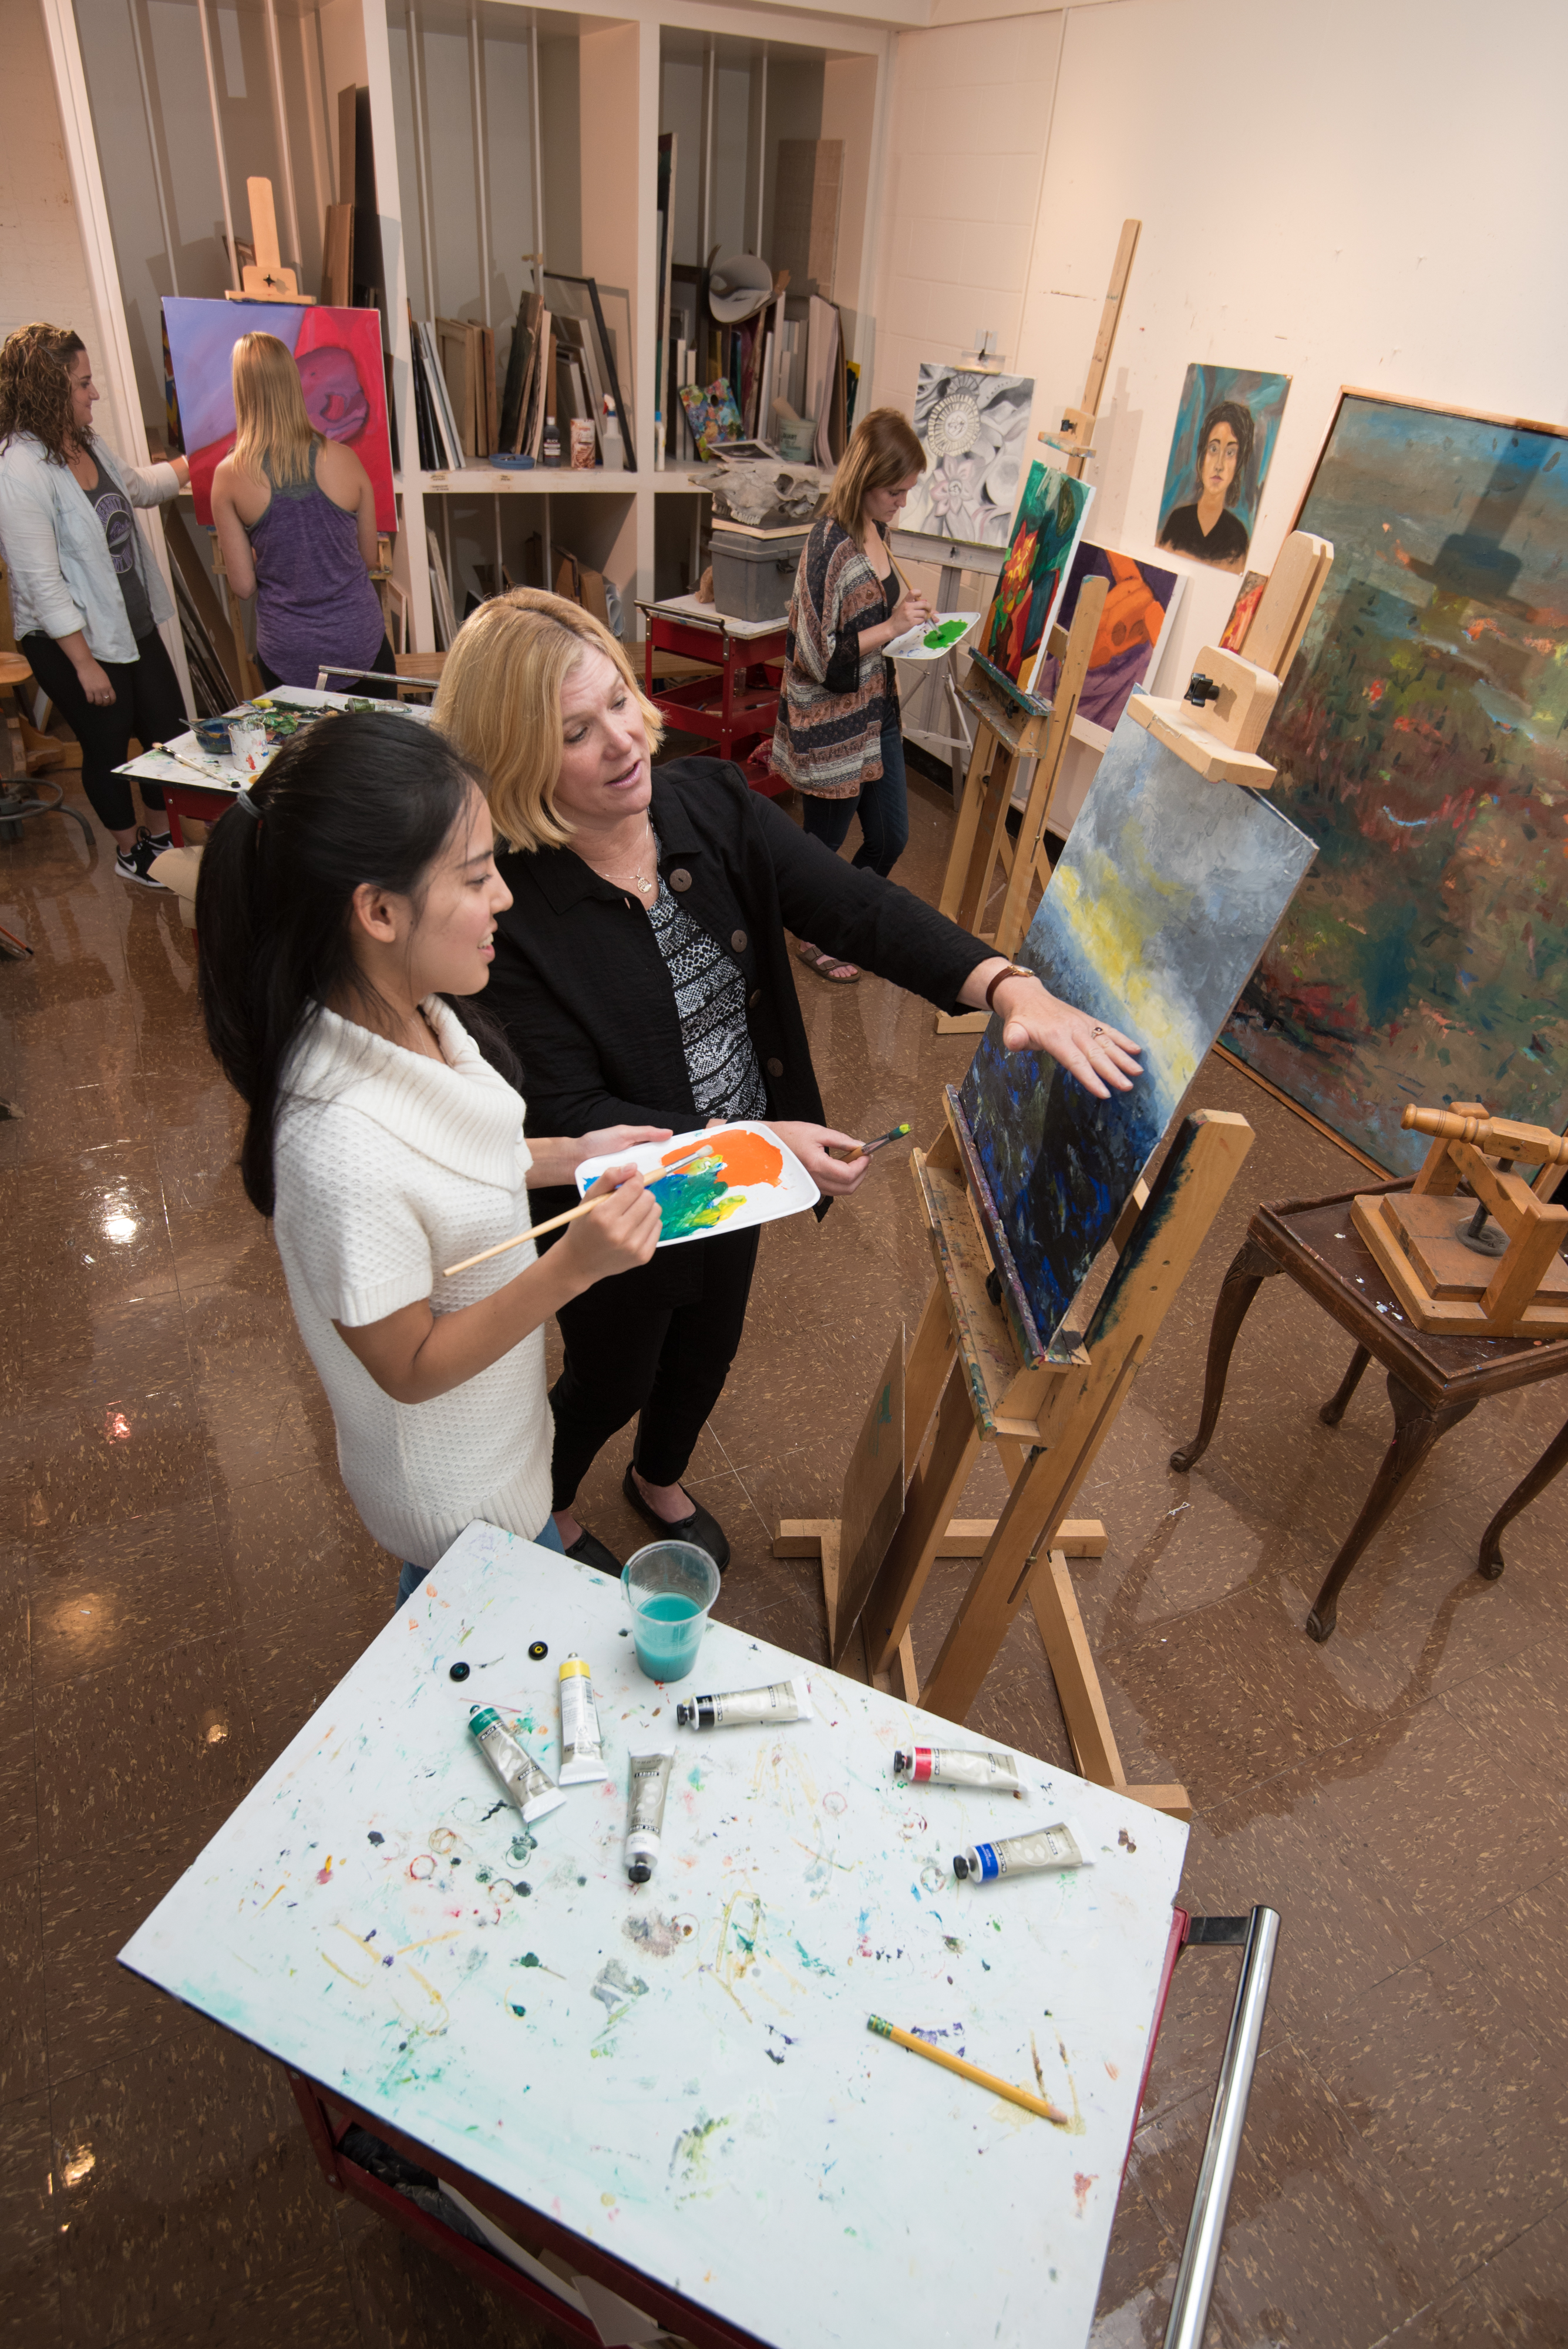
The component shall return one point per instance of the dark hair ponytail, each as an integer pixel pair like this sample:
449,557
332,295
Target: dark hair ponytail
355,800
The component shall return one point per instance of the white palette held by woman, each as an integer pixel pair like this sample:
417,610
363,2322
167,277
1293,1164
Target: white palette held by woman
722,1179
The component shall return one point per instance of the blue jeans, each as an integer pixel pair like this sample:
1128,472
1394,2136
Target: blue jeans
883,807
413,1575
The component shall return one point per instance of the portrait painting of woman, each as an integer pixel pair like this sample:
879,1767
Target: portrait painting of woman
1225,432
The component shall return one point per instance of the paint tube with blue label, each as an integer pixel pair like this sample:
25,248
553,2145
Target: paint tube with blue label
524,1783
582,1752
1044,1852
952,1765
649,1785
758,1708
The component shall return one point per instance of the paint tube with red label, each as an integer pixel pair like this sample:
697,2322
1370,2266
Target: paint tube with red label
524,1783
1047,1850
950,1765
758,1708
582,1753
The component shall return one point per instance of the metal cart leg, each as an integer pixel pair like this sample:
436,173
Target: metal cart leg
1257,1936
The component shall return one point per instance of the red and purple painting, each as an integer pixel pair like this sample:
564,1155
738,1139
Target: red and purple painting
1141,600
338,355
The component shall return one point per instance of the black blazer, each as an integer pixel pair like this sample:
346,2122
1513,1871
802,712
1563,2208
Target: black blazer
583,992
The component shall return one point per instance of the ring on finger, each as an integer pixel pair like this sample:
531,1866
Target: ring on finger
1096,1033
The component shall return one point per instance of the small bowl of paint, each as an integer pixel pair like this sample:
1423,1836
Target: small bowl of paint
213,734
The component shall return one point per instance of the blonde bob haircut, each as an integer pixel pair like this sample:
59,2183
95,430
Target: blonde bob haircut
882,450
269,410
500,704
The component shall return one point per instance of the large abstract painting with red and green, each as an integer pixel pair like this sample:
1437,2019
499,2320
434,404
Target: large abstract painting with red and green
1046,534
1421,740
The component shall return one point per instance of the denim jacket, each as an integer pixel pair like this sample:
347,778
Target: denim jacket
62,576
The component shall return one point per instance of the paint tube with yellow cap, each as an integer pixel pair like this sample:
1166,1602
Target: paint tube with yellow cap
582,1749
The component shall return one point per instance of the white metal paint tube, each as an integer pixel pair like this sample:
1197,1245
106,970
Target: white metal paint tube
1044,1852
582,1750
649,1785
748,1708
952,1765
523,1781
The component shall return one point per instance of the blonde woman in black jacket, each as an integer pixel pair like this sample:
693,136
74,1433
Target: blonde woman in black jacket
643,977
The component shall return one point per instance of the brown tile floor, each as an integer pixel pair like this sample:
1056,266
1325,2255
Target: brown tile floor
182,1581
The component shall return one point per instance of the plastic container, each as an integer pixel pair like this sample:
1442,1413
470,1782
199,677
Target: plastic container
550,447
669,1587
753,578
611,441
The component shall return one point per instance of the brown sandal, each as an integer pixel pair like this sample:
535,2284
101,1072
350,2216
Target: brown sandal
827,965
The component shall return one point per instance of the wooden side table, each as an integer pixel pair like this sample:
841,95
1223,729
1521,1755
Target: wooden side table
1433,1383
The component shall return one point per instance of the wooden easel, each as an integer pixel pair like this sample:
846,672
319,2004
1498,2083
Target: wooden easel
1013,725
1429,1249
1076,439
972,1378
265,279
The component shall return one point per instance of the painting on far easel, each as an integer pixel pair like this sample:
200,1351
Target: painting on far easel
1167,893
1226,428
338,355
1046,534
1143,597
1420,738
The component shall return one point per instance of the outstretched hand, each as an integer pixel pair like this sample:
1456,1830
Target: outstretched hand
1034,1020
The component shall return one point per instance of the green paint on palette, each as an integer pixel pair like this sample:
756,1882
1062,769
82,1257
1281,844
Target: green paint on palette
938,639
694,1202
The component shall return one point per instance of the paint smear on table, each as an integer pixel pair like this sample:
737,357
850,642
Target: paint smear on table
709,1194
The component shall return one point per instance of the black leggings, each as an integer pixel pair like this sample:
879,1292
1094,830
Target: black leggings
386,660
148,704
669,1362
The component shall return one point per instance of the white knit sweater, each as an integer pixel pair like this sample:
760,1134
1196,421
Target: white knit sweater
390,1165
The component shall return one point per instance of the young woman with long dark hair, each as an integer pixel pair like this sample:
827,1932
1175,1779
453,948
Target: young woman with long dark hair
346,908
86,598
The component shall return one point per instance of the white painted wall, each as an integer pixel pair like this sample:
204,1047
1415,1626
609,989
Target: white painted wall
1369,194
42,272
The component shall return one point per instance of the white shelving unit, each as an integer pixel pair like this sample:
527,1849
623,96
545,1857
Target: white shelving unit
500,131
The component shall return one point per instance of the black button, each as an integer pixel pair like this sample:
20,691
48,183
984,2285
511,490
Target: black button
458,1673
538,1650
680,878
754,998
775,1068
738,941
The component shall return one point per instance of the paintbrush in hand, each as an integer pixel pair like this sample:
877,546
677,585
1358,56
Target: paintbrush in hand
702,1163
865,1149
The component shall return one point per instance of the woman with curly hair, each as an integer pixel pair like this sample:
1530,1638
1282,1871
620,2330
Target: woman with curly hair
85,603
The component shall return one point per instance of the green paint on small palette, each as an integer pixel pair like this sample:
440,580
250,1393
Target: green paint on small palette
698,1200
948,632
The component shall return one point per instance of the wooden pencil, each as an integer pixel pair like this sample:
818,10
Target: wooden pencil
1047,2112
691,1165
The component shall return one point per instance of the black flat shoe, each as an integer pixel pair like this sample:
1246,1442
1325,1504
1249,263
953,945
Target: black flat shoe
587,1552
704,1531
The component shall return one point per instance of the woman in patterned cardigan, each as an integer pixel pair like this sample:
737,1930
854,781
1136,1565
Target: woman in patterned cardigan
839,738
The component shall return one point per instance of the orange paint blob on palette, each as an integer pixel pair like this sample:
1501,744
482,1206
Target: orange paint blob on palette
748,1156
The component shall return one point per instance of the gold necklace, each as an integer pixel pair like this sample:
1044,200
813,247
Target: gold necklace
643,888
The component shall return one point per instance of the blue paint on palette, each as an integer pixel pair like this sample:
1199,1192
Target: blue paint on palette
1165,894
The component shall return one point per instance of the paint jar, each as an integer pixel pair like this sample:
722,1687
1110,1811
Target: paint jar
247,745
669,1587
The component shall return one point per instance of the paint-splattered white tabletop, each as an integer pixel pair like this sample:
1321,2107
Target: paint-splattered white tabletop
681,2072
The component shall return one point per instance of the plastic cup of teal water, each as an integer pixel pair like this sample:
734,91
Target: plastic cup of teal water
669,1587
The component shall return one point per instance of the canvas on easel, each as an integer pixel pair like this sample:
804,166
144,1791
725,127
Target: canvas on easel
1168,891
1046,534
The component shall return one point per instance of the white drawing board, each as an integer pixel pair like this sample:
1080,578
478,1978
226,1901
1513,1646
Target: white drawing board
681,2074
722,1179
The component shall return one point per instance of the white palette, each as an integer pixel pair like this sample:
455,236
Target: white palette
758,1203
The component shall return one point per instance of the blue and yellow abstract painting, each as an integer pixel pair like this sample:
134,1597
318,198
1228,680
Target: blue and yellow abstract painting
1167,893
1421,739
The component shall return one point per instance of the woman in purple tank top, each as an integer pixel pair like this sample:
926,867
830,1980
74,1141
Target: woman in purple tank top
296,515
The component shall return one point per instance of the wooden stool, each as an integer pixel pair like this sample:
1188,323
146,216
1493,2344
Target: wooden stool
23,750
1433,1381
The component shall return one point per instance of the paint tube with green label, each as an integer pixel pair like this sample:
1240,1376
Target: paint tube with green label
582,1753
524,1783
649,1785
